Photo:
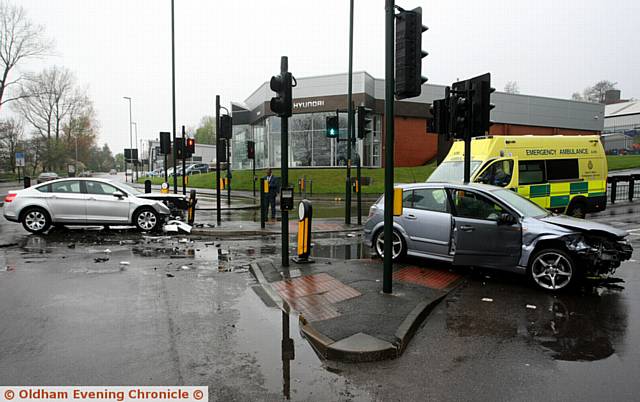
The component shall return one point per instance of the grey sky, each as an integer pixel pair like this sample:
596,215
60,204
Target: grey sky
123,48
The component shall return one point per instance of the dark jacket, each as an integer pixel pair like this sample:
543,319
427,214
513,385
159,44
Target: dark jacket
274,185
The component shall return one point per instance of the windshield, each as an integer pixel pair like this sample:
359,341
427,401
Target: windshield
128,188
452,172
527,208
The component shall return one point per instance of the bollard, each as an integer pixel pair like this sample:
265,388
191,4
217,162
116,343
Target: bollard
631,185
263,200
147,186
27,181
191,211
305,213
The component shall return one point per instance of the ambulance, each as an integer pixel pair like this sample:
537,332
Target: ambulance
562,173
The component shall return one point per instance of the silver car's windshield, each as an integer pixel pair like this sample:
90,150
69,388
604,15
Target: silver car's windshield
452,172
526,207
128,188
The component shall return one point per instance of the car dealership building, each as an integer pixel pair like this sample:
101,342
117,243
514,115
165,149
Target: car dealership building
315,98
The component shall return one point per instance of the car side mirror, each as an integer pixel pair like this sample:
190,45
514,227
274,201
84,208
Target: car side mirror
119,194
507,219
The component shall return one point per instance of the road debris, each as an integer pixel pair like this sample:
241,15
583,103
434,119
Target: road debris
107,251
487,299
531,306
124,262
185,267
101,259
169,275
176,226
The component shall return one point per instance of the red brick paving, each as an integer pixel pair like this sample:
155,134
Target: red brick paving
430,278
314,295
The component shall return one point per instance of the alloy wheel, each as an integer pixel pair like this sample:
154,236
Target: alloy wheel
147,220
397,245
35,220
551,270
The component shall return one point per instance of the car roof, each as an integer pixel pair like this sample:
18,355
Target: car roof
470,186
80,178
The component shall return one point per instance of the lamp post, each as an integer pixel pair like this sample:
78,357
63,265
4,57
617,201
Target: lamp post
136,142
130,140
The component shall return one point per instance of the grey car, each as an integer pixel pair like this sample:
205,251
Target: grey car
487,226
83,201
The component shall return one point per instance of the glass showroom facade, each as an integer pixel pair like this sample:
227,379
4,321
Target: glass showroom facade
308,144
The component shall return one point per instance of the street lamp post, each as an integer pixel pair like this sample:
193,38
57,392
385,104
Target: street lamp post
130,140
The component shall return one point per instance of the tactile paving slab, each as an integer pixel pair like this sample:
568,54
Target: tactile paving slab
314,295
431,278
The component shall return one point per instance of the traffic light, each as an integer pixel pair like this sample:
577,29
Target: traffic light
226,126
364,121
282,103
165,142
180,154
251,150
191,146
409,53
481,103
333,129
440,116
221,151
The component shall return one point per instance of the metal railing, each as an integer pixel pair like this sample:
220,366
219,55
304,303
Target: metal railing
623,187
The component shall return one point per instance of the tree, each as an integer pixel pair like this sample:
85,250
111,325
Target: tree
119,161
51,101
595,93
20,39
205,133
511,87
10,137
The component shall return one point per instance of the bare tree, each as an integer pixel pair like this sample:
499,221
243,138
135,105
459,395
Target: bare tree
10,137
49,101
511,87
20,39
595,93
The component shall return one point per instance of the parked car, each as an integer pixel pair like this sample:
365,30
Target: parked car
488,226
46,176
197,168
81,201
113,171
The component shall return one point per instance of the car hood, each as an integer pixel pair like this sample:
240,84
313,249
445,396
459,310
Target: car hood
583,225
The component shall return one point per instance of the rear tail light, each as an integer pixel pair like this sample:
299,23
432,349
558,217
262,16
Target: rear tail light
10,197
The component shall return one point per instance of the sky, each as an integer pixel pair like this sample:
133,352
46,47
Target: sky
119,48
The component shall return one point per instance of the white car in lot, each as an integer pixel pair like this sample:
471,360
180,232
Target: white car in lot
83,201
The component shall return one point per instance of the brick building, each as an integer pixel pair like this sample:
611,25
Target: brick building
315,98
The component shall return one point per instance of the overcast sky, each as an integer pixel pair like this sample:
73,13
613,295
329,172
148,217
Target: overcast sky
123,48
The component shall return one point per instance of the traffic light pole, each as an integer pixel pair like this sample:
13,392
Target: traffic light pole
173,98
218,211
184,162
284,164
228,149
347,207
387,277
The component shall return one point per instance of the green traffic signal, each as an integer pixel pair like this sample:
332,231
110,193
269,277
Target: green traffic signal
332,127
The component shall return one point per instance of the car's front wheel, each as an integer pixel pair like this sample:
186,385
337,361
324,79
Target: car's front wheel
146,220
399,248
36,220
552,269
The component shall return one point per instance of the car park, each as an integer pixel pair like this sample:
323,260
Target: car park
492,227
83,201
47,176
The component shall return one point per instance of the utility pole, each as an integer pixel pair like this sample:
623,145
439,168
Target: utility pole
387,275
347,207
173,97
184,162
130,141
218,153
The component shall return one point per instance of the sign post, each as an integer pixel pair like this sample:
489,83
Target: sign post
19,162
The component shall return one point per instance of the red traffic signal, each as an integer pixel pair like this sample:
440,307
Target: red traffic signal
191,145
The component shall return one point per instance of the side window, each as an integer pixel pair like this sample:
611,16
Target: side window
96,187
531,172
407,199
44,189
430,199
562,169
475,206
69,186
499,173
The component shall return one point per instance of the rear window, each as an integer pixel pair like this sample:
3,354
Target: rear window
44,189
562,169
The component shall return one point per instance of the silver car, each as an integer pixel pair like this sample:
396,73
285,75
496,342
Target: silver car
487,226
83,201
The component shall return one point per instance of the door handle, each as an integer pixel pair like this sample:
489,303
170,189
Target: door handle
467,228
411,216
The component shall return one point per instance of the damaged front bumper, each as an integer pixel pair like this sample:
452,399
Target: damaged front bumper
598,255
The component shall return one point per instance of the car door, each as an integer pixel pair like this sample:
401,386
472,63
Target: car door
103,206
67,203
478,236
427,221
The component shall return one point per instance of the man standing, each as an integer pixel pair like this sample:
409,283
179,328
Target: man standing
274,189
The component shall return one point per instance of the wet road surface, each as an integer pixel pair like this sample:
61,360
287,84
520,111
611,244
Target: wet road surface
186,313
